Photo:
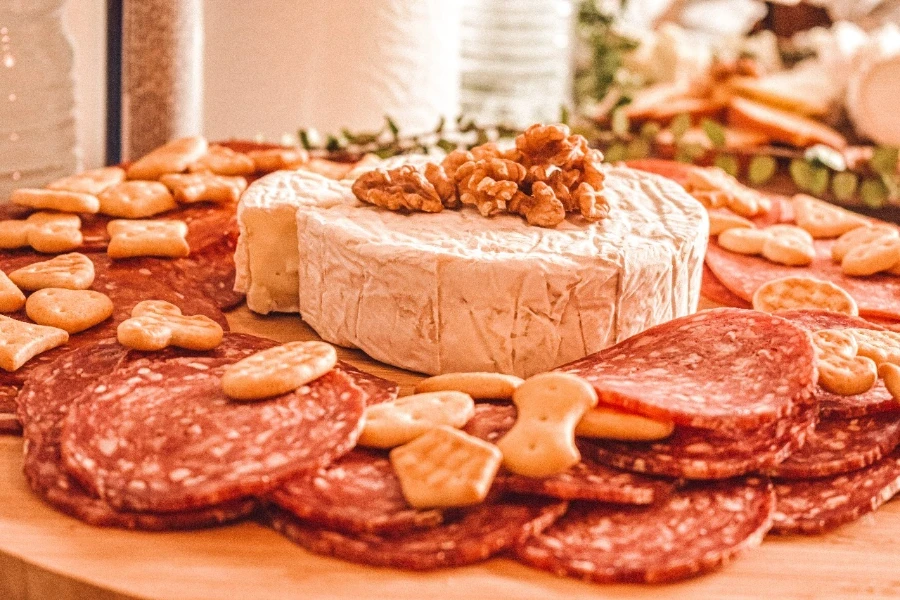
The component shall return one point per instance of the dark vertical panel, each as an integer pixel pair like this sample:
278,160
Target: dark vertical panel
113,81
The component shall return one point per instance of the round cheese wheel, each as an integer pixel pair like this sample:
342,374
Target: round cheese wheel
872,96
455,291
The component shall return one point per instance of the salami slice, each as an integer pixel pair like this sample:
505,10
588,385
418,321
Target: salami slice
358,493
716,369
816,320
212,270
814,506
697,529
474,535
162,436
588,480
876,295
376,389
693,453
712,289
43,404
841,445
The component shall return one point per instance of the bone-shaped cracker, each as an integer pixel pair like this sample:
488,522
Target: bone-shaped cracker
70,310
278,370
713,181
722,221
128,239
445,467
890,373
783,244
478,385
787,250
841,371
20,342
73,271
11,297
822,219
400,421
136,199
610,423
743,240
542,441
204,187
155,324
91,182
45,232
880,346
276,159
803,292
858,236
881,254
220,160
174,157
74,202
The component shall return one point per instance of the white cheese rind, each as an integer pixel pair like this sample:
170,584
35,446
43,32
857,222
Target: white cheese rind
457,292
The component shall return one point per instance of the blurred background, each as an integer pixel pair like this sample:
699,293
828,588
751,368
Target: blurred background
803,87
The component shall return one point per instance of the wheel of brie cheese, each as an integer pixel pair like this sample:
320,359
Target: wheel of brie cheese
454,291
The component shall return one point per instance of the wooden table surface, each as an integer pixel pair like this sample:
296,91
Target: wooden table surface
47,556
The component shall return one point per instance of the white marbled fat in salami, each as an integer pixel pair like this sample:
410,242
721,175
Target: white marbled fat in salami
163,437
699,528
587,480
376,389
813,506
473,535
716,369
693,453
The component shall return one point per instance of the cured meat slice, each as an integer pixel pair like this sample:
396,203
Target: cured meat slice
358,493
712,289
816,320
162,436
212,270
588,480
697,529
815,506
693,453
9,421
717,369
376,389
474,535
876,295
43,404
841,445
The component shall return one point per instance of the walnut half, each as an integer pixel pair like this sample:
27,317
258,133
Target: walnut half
405,188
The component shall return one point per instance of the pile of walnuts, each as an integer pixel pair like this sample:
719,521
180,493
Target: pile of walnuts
549,173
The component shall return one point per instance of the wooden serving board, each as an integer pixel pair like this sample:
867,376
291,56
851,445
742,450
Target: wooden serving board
45,555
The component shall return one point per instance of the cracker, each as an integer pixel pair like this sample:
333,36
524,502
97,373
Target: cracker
73,271
743,240
70,310
445,467
128,239
722,221
824,220
542,441
841,371
277,159
328,168
609,423
880,346
278,370
54,232
881,254
155,324
13,234
20,342
859,236
220,160
173,157
478,385
11,297
204,187
136,199
400,421
75,202
93,182
788,250
803,292
890,373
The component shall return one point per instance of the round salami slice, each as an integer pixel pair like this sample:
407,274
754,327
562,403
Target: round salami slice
587,480
358,493
693,453
697,529
43,404
716,369
876,295
475,535
212,270
841,445
162,436
712,289
816,320
376,389
9,420
814,506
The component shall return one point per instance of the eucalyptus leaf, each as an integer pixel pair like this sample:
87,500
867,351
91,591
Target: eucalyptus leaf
392,127
650,130
821,155
638,148
801,174
819,181
892,186
304,139
620,123
564,114
333,144
442,122
873,193
615,153
446,145
844,186
689,153
715,132
728,163
884,160
680,126
761,169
